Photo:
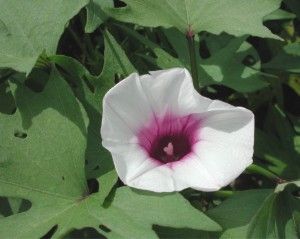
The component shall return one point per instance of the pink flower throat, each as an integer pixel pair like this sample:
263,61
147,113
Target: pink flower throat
170,138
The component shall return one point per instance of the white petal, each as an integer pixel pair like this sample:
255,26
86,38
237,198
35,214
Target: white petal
176,177
125,110
172,90
226,143
130,160
192,173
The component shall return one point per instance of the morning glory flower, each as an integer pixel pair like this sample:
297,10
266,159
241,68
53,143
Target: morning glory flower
164,136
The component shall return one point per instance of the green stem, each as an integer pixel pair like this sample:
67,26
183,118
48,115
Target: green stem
193,59
223,193
264,172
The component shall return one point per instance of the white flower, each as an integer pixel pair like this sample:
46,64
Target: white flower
164,136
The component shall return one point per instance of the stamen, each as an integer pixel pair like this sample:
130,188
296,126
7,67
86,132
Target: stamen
169,149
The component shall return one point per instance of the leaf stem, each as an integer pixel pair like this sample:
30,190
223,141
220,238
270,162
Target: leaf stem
193,60
253,168
223,193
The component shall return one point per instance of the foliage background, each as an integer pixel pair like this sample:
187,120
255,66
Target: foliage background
57,60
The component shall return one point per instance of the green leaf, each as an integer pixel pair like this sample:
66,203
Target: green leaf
269,148
288,59
179,43
261,214
98,159
226,66
282,187
42,160
28,28
7,104
144,209
294,5
162,58
234,17
278,218
276,145
224,214
279,14
116,65
95,15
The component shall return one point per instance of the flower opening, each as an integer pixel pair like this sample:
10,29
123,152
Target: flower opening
170,138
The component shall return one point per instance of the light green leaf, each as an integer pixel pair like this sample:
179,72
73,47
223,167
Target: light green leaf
98,159
95,15
28,28
144,209
116,65
279,14
226,66
42,160
234,17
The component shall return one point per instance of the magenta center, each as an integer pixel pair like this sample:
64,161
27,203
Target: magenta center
170,138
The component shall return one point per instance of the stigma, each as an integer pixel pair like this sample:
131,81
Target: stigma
169,149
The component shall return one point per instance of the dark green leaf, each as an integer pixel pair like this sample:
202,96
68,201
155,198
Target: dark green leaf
95,15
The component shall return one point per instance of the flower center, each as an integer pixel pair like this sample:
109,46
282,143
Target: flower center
170,138
170,148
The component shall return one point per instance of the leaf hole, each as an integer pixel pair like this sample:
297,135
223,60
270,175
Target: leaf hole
104,228
11,206
93,185
203,50
50,233
20,134
249,60
119,3
87,232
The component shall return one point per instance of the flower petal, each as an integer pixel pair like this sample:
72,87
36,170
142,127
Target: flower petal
226,142
172,90
176,177
130,160
125,110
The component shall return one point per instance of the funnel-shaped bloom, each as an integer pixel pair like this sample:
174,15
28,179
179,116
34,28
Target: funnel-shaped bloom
164,136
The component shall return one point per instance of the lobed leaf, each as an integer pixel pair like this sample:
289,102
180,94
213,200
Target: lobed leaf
234,17
29,28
